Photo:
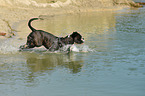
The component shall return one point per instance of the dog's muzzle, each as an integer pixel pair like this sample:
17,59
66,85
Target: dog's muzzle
83,39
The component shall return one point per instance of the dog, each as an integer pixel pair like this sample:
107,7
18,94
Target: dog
51,42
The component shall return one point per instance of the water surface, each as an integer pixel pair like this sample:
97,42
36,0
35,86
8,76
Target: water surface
110,63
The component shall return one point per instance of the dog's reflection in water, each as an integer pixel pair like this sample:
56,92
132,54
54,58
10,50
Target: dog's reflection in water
51,62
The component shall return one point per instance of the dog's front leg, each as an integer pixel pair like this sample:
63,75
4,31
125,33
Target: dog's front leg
26,46
23,46
54,46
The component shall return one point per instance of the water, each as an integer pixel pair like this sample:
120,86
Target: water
110,63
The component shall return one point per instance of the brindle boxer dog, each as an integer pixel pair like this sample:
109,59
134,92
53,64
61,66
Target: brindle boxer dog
51,42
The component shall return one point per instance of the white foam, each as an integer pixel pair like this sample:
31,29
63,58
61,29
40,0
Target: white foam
74,48
80,48
8,47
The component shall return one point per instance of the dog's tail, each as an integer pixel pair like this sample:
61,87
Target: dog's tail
29,23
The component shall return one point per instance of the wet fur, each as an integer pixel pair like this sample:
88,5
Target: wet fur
51,42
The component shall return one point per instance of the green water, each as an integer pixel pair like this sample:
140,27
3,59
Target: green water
110,63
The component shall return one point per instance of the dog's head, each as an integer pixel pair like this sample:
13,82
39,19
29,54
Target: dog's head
77,38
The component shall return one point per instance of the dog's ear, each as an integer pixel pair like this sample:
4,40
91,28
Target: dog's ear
74,34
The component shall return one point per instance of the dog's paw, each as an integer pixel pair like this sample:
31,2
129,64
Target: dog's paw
23,47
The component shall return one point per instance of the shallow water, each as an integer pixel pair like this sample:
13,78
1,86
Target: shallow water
110,63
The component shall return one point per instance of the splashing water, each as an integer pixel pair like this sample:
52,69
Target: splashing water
65,49
80,48
8,46
12,46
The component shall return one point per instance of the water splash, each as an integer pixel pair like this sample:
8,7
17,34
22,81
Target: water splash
11,46
80,48
72,48
8,46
